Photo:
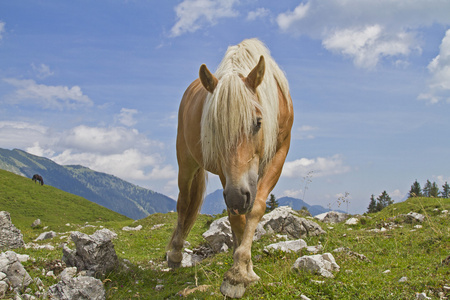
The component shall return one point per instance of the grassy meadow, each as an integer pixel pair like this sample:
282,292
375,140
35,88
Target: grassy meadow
406,251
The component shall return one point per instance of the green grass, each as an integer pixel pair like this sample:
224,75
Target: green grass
404,250
27,201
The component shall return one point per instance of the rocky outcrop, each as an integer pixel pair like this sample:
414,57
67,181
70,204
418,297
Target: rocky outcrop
94,253
322,264
285,220
282,220
10,236
12,273
80,288
332,217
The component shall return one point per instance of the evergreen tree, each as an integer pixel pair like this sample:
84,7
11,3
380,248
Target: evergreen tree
434,191
272,203
427,189
416,190
372,205
383,201
445,190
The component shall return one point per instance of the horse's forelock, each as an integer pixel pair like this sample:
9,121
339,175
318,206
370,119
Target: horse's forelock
230,111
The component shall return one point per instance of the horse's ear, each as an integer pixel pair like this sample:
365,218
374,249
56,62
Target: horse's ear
256,76
208,80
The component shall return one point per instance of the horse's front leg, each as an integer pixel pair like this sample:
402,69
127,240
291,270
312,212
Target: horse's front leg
241,274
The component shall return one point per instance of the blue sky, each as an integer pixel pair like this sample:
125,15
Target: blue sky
98,83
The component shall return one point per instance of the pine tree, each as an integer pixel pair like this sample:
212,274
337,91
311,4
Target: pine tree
445,190
272,203
434,191
416,190
384,200
372,205
427,189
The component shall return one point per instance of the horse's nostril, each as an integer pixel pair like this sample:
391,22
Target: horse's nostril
247,199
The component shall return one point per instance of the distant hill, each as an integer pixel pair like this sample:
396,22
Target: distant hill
107,190
297,204
27,201
215,204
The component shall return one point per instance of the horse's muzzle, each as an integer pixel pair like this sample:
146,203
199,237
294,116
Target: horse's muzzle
239,201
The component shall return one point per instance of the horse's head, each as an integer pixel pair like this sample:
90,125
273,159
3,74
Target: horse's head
232,134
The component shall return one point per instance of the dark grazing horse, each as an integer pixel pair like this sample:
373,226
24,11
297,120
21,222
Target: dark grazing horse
38,178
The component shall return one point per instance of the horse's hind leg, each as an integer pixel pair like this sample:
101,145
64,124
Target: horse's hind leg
190,198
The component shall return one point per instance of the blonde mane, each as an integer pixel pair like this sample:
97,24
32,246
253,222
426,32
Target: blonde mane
229,112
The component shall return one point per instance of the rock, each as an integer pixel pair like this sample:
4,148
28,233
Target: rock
15,273
352,221
36,223
22,257
38,247
286,221
422,296
45,236
10,236
332,217
68,273
94,253
159,287
415,217
190,259
219,235
3,289
351,253
80,288
281,220
127,228
403,279
319,264
287,246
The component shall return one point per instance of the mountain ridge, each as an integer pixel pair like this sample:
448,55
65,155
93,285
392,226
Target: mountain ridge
104,189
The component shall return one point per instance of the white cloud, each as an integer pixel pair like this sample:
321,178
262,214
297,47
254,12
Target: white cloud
287,19
439,68
52,97
123,152
126,116
367,45
105,140
42,71
258,13
16,134
320,167
365,30
193,14
305,132
130,164
292,193
2,29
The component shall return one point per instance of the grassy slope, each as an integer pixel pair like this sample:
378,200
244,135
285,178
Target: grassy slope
415,254
27,201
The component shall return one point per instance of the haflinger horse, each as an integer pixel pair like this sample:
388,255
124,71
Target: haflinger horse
38,178
236,124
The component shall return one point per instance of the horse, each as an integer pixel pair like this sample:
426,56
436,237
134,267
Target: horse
38,178
236,124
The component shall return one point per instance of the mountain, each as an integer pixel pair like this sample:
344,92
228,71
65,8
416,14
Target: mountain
27,201
215,204
107,190
297,204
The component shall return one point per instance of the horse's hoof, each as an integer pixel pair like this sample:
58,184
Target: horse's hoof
173,260
232,291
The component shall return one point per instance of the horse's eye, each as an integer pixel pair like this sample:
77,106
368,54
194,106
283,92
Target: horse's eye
258,124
